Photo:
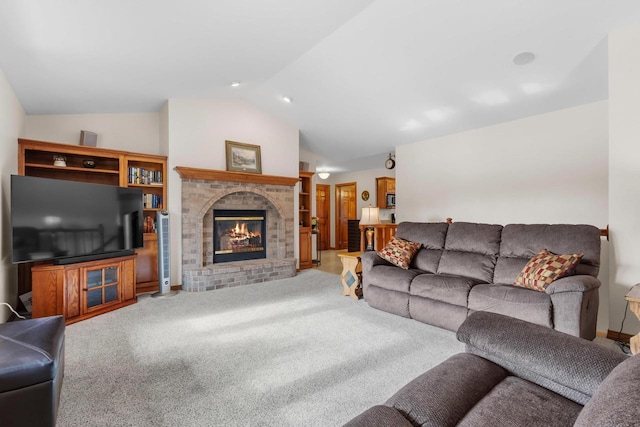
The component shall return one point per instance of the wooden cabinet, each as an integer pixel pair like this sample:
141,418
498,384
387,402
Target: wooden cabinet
103,166
382,233
82,290
147,265
304,204
385,186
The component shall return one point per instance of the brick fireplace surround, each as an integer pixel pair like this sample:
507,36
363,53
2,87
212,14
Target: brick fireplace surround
204,190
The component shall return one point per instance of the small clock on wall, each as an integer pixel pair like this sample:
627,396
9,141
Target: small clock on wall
365,195
390,163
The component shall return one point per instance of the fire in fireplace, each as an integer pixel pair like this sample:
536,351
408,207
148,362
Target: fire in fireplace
239,235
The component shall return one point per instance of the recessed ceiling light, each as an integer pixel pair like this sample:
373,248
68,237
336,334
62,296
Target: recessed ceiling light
410,125
494,97
438,114
524,58
235,84
287,99
531,88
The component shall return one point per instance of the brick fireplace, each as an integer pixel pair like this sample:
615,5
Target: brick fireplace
205,190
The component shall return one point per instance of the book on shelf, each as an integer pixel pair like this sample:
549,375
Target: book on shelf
144,176
151,201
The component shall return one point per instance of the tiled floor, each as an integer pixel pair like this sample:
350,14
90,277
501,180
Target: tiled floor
330,262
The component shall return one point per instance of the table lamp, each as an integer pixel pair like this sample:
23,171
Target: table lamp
370,216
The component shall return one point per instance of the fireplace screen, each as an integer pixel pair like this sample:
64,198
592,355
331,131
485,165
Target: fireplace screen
239,235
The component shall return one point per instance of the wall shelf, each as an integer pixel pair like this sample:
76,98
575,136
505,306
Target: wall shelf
112,167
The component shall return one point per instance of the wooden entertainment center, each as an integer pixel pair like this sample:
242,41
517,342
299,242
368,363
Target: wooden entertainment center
84,289
99,166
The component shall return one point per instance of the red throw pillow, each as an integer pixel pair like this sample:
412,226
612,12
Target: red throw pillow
399,252
545,268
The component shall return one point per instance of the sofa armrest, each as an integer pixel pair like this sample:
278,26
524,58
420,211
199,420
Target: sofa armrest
579,283
570,366
371,258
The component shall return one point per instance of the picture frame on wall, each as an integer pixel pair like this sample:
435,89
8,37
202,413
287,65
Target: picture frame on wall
243,157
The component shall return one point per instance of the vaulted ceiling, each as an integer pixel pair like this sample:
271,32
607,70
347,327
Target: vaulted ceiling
362,76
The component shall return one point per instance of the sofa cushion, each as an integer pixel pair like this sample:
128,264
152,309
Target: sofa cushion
512,301
525,240
445,393
468,264
430,234
437,313
507,269
427,260
471,251
616,402
516,402
545,268
391,277
399,252
386,300
471,237
570,366
443,287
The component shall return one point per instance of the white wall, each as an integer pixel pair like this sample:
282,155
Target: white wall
137,132
12,126
551,168
624,172
197,130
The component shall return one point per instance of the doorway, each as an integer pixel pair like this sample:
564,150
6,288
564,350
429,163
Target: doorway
346,209
323,212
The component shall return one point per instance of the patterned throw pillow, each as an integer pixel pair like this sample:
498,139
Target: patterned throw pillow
545,268
399,252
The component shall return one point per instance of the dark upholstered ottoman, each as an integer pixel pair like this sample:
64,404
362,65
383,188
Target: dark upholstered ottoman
31,371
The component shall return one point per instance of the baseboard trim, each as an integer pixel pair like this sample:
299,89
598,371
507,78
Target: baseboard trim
618,336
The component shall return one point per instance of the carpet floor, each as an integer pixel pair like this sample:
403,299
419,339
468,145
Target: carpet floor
291,352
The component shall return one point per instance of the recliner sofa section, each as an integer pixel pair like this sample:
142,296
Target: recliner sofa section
515,373
466,267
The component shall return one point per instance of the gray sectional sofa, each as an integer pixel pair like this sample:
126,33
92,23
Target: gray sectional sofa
466,267
515,373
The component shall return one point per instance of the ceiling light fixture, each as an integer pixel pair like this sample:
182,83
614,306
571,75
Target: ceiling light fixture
323,174
524,58
235,84
287,99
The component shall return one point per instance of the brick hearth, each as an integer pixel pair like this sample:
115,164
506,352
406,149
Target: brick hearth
204,190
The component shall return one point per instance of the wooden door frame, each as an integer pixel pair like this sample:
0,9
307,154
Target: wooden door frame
337,207
328,193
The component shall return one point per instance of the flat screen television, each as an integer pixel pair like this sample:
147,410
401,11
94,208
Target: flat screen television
69,221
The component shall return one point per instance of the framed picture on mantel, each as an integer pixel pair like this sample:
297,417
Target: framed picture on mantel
243,157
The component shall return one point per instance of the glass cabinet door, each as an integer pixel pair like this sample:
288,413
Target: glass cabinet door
102,286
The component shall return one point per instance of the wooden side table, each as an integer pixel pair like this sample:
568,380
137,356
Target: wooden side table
351,272
633,296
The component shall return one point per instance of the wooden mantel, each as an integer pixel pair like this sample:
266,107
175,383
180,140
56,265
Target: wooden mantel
232,176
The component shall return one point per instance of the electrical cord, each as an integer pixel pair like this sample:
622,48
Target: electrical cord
623,318
11,308
625,347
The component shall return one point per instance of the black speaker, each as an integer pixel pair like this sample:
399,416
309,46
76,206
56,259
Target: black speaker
353,235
